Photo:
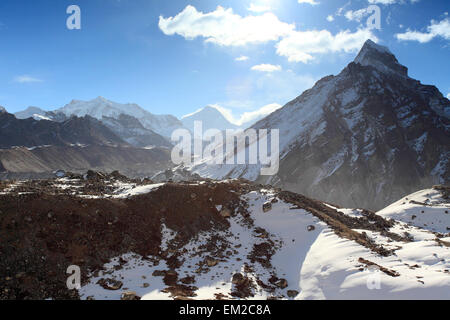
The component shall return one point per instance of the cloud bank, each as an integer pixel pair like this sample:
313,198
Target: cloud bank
26,79
225,28
435,29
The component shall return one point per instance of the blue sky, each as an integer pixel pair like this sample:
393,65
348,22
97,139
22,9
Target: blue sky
178,64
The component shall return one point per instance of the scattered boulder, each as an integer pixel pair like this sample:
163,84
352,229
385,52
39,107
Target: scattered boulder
158,273
311,228
118,176
225,212
282,284
129,295
188,280
170,278
211,262
238,279
93,175
292,293
267,206
110,284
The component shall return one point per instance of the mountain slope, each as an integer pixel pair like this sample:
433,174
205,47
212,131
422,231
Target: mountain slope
242,241
101,107
362,138
42,162
428,209
132,131
32,112
31,133
127,127
210,117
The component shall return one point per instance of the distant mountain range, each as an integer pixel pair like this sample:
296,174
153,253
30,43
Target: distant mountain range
32,133
362,138
31,148
213,118
132,123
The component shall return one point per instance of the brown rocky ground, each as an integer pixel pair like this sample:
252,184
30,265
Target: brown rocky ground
45,228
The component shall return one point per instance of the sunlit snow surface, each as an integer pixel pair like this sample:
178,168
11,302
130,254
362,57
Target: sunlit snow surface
425,209
318,264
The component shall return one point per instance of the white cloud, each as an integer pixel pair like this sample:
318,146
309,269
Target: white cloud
357,15
383,1
223,27
258,8
300,45
26,79
330,18
247,118
448,96
435,29
388,2
242,58
266,67
311,2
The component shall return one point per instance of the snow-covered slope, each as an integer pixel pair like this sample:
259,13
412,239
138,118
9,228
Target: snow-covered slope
210,117
362,138
32,112
213,240
282,246
131,130
428,209
101,107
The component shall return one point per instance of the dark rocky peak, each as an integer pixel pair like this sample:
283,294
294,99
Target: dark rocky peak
380,58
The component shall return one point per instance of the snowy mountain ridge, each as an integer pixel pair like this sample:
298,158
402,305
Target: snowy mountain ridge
381,58
362,138
244,241
210,117
101,107
32,112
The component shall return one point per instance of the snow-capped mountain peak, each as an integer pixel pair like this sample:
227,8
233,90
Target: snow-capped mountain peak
381,58
362,138
101,107
32,112
211,118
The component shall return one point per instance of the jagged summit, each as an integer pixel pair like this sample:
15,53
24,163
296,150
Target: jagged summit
211,118
101,107
361,138
31,112
2,110
380,58
205,110
100,98
371,45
